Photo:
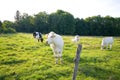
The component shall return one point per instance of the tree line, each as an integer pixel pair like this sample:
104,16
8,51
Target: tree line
62,22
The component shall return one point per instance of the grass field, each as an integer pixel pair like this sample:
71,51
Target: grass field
23,58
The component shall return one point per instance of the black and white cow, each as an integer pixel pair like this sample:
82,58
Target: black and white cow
38,35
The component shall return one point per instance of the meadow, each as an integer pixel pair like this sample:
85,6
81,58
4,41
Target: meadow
23,58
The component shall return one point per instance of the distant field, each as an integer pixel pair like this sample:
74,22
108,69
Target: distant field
23,58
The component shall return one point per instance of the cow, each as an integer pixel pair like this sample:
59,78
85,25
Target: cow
38,36
107,41
56,43
76,39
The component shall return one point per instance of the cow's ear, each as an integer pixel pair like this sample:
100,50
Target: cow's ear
53,35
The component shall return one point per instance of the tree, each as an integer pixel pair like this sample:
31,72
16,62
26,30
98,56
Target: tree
8,27
62,22
53,21
0,27
41,22
17,16
26,24
81,27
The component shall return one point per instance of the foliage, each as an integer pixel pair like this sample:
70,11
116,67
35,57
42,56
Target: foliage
26,24
22,58
7,27
103,26
17,16
41,22
63,22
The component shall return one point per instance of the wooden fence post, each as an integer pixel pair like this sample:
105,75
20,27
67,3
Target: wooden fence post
76,60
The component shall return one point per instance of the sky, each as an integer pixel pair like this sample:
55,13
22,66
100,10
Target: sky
78,8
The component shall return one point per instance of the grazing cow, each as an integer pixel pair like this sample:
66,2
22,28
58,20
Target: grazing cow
56,44
76,39
107,41
38,35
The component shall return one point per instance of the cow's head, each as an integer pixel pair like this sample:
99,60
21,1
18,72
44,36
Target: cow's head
50,38
34,34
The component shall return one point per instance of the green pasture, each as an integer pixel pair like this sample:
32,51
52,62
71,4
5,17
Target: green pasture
23,58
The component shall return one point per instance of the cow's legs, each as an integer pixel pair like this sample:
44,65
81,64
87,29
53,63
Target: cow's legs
61,61
60,56
56,59
38,40
110,46
102,47
107,46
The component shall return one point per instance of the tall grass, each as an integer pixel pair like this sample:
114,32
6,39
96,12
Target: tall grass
23,58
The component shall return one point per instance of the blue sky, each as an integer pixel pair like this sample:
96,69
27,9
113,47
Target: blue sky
78,8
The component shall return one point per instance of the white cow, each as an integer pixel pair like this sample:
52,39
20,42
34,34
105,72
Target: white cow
107,41
76,39
56,43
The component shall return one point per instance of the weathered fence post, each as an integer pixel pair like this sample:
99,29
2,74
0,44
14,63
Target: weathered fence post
77,58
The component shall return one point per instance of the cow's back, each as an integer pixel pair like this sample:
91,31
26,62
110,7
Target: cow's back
108,40
59,41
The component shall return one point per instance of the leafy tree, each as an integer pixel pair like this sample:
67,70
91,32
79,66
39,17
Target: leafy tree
81,27
62,22
53,21
8,27
41,22
26,23
17,16
0,27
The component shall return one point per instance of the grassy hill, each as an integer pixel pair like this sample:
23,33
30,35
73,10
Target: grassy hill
23,58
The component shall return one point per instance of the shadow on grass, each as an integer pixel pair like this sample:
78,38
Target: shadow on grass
94,70
68,59
87,59
10,76
98,73
11,62
45,72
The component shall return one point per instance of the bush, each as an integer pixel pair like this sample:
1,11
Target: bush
7,30
11,30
